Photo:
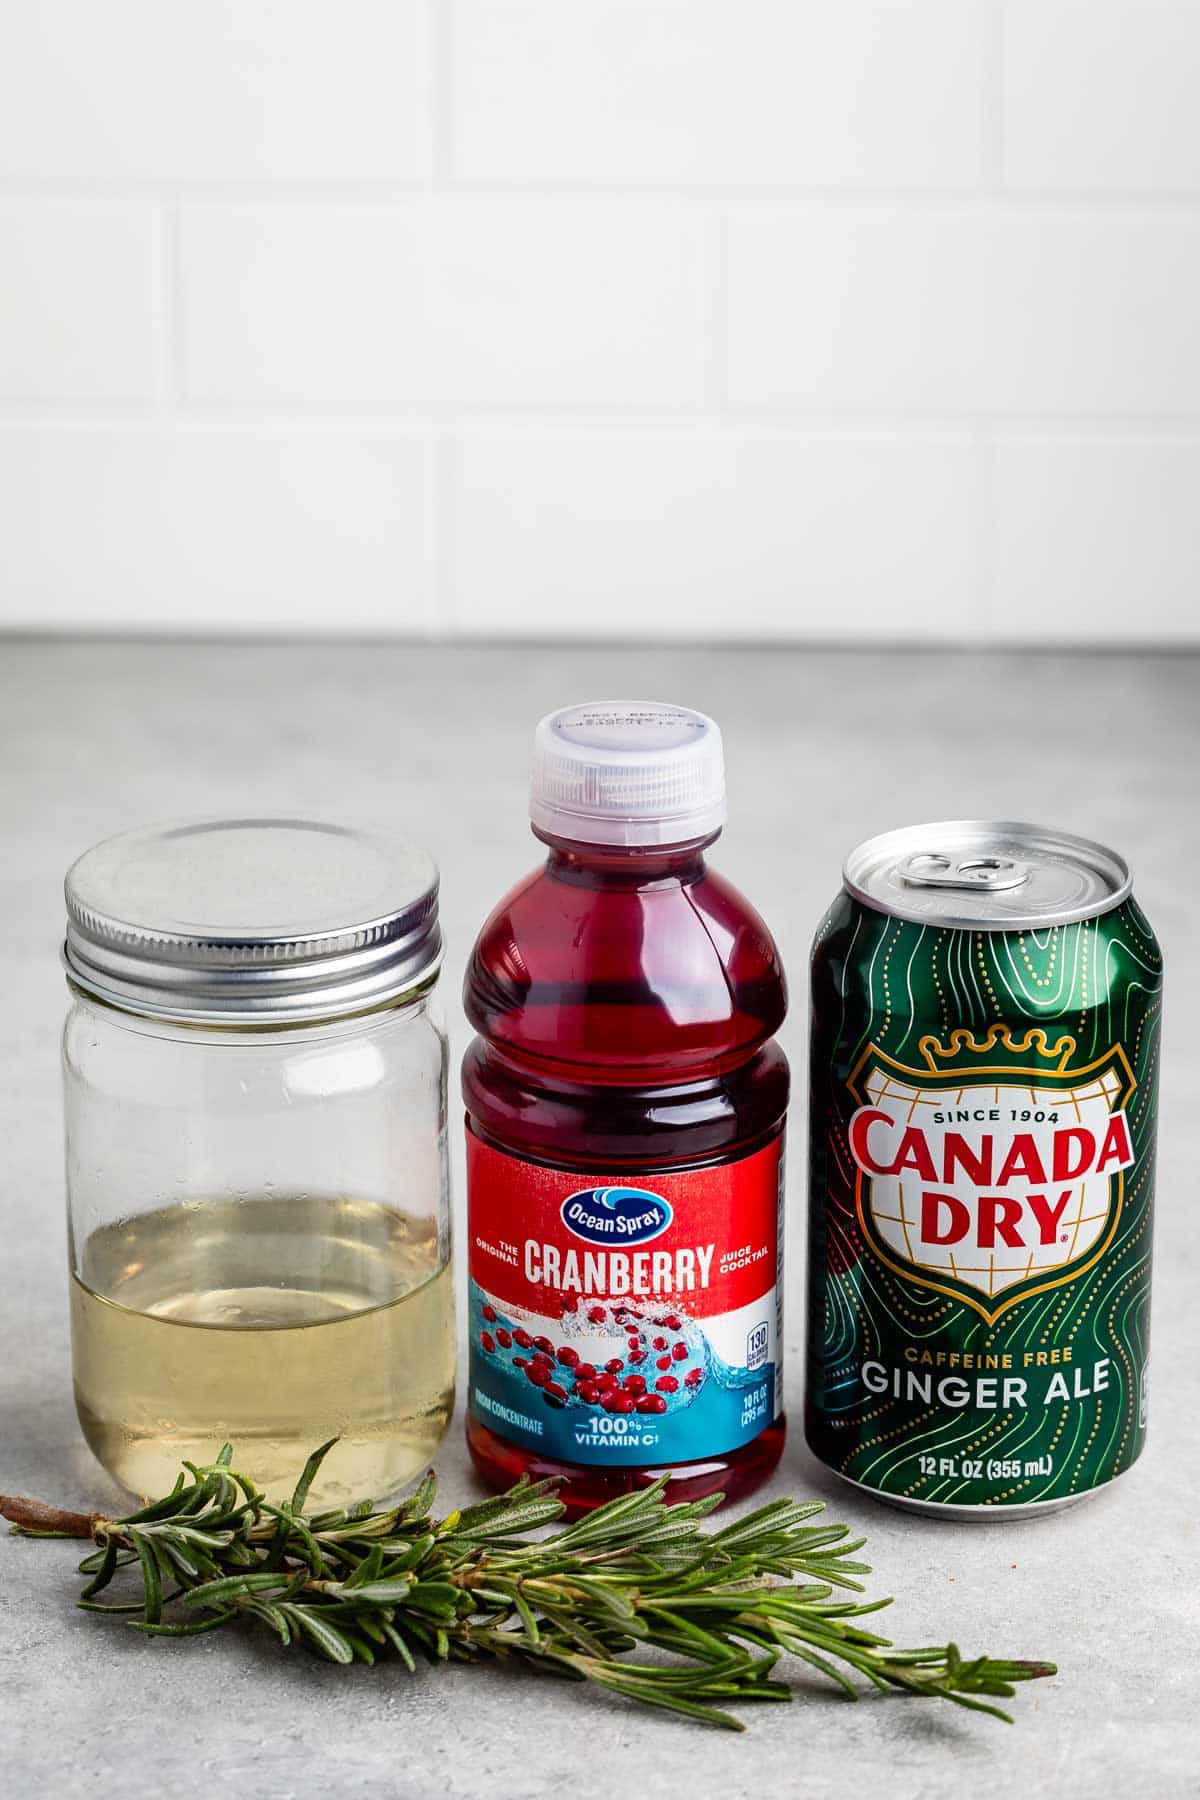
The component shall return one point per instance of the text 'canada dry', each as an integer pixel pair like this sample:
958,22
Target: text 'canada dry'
986,1003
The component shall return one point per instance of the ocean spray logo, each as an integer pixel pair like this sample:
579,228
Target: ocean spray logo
615,1215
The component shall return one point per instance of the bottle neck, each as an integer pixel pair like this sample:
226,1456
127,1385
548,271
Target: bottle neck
632,865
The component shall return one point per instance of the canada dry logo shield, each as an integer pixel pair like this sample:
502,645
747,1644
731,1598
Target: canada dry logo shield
994,1171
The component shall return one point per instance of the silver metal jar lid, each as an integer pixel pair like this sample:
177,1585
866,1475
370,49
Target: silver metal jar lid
252,921
986,875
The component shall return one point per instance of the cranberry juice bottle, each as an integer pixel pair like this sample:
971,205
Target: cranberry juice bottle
625,1115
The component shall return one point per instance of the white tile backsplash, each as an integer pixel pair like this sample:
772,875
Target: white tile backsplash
1096,530
861,309
713,534
784,319
164,528
78,285
857,92
215,90
429,304
1102,94
988,309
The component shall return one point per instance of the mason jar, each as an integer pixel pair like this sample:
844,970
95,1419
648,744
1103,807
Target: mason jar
256,1173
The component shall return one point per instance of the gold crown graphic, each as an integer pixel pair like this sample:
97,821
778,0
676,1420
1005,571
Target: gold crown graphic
1001,1047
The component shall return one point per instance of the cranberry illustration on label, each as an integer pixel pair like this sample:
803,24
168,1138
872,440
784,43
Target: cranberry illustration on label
696,1363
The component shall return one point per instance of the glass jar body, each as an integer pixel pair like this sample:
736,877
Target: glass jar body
259,1244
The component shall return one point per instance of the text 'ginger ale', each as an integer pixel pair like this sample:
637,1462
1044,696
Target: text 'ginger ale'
985,1029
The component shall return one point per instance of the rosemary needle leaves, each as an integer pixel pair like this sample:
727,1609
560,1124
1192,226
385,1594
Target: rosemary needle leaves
635,1597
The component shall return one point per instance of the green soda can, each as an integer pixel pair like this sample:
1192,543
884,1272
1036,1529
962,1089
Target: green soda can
985,1022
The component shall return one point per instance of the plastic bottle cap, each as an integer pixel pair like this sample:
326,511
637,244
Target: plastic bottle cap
627,772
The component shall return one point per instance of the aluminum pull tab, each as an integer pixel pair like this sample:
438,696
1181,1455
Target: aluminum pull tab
929,869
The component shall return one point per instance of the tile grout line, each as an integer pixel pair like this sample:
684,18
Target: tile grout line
442,611
986,535
717,369
707,421
765,194
441,32
164,307
991,101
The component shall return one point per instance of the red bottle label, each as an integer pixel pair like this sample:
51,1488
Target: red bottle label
632,1322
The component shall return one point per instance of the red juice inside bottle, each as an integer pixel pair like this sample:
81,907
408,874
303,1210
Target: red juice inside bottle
625,1114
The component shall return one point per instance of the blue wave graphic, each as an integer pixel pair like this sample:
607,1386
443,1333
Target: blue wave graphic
615,1215
726,1407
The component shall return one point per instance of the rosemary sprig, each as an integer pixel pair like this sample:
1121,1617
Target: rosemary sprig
635,1597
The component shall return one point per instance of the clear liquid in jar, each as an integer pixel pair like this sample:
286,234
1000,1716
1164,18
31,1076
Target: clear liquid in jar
275,1323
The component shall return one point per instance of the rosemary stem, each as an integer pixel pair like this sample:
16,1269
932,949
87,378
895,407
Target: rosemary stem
638,1598
34,1518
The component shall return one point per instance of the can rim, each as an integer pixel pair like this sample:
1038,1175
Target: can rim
1090,853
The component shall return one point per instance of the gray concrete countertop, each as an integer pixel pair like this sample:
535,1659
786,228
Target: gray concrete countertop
823,749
